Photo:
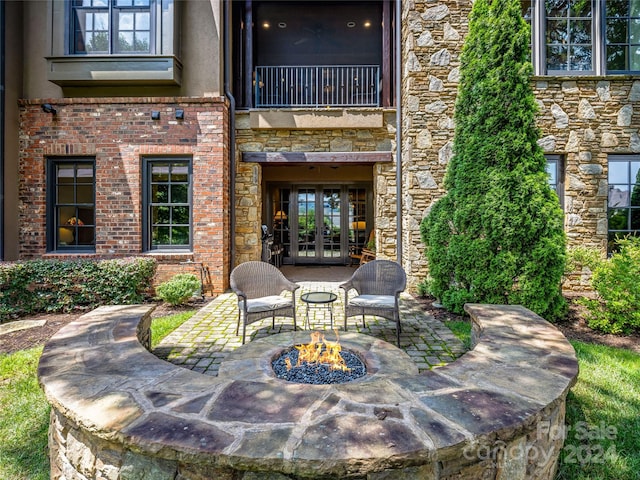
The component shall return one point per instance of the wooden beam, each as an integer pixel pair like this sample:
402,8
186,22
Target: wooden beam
316,157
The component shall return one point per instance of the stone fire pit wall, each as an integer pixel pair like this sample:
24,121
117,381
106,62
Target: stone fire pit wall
119,412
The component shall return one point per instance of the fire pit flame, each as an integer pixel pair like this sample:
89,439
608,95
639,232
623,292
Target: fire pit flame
319,362
320,351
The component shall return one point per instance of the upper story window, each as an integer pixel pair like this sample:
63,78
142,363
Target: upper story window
574,37
112,26
71,207
115,43
623,35
569,39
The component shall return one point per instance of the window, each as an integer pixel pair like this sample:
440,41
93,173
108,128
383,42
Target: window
112,26
584,36
556,175
624,197
167,209
623,35
71,213
568,38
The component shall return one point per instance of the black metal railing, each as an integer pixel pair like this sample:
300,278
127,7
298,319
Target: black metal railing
317,86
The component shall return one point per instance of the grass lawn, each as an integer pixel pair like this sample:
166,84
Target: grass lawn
24,411
24,418
603,416
603,412
602,437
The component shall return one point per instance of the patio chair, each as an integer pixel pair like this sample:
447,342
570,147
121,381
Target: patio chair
378,285
260,287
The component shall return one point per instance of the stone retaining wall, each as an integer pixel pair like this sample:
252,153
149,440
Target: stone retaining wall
118,412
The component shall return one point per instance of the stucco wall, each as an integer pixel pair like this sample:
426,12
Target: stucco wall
13,91
199,48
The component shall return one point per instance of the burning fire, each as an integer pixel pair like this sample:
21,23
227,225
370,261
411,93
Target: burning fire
320,351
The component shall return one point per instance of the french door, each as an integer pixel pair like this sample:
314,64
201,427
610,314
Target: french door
319,224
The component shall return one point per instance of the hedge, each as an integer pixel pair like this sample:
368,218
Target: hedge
35,286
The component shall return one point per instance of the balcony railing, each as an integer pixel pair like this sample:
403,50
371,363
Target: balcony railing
317,86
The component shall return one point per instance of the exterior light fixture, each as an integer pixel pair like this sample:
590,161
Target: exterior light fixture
351,24
48,108
367,24
155,115
179,114
282,25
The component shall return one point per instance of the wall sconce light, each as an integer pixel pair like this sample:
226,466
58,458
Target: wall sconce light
155,115
48,108
179,114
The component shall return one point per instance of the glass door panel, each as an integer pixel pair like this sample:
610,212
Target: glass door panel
319,224
332,224
281,220
307,231
358,216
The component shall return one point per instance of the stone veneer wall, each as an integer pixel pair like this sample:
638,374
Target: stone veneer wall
432,38
583,119
249,194
118,133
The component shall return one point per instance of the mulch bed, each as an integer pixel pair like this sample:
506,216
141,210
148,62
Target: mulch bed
573,327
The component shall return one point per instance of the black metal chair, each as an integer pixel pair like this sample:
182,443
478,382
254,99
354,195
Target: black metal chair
378,285
260,287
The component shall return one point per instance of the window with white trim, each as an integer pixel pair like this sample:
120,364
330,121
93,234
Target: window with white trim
112,27
167,204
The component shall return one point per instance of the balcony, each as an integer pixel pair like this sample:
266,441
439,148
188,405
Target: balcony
317,86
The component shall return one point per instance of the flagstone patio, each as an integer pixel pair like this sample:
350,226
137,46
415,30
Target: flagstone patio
120,412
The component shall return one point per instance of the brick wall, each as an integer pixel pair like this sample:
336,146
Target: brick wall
118,133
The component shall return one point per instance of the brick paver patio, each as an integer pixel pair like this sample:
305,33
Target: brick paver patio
202,342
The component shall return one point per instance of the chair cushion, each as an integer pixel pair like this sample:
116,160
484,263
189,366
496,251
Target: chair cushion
264,304
375,301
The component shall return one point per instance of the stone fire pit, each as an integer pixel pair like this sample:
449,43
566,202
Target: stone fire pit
120,412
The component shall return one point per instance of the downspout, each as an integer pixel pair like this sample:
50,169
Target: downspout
2,123
398,85
232,130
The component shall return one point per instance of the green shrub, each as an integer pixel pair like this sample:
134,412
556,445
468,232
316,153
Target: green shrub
617,283
497,235
35,286
179,289
580,256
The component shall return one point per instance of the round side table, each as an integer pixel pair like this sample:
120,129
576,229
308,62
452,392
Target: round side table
319,299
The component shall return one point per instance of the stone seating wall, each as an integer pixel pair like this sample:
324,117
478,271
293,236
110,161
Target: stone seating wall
119,412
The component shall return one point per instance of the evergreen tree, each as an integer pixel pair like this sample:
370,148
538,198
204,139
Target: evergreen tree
497,235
